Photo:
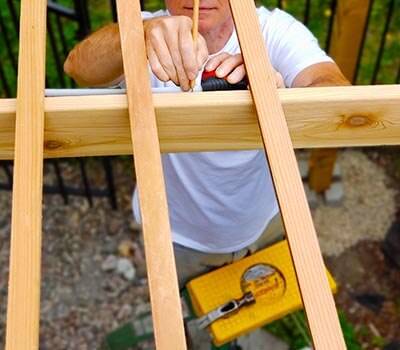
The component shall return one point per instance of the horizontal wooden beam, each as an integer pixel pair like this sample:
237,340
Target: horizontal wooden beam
208,121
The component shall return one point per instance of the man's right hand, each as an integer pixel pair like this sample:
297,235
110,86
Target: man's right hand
171,51
97,60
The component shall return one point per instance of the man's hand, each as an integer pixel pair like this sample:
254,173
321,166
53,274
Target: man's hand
232,67
171,51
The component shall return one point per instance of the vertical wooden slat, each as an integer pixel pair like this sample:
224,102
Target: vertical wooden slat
320,168
25,253
317,297
164,293
347,37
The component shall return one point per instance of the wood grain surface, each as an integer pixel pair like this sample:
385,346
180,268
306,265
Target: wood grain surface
303,243
350,20
25,252
209,121
160,262
351,17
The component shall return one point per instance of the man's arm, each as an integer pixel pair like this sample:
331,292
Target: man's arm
320,74
97,60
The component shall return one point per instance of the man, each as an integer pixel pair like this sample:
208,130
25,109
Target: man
222,204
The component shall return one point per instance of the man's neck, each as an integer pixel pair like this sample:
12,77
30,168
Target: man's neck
217,39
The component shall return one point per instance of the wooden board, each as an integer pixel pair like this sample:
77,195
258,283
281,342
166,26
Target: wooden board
25,252
350,20
160,262
314,288
346,43
316,117
320,168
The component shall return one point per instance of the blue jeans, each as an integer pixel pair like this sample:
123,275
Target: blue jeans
191,263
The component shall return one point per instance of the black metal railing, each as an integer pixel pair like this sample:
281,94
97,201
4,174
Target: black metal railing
61,22
78,21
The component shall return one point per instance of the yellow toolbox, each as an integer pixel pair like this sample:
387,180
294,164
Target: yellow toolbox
269,274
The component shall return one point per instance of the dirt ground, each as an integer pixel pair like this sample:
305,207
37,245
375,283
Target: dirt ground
369,294
369,276
86,295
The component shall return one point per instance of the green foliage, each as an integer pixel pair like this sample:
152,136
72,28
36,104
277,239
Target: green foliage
397,301
318,17
318,22
5,61
292,329
349,333
363,331
154,5
378,341
100,15
391,54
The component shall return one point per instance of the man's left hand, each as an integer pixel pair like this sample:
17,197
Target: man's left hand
232,67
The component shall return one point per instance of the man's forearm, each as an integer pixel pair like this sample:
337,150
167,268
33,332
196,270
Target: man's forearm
330,79
319,75
97,60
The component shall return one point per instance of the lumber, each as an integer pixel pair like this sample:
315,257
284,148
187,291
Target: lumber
321,165
345,46
303,243
160,261
351,18
209,121
25,253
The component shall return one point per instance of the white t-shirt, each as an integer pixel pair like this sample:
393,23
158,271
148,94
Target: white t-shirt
220,202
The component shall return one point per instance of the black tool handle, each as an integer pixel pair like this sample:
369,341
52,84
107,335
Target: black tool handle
218,84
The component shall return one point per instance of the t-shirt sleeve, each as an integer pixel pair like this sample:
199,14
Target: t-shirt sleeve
291,46
146,14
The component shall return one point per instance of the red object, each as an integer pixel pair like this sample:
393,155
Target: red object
207,75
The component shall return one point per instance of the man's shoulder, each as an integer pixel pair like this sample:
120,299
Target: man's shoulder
275,15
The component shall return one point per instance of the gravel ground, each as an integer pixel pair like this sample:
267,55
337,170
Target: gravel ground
93,270
367,211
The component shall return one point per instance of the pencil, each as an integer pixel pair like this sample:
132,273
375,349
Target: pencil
195,29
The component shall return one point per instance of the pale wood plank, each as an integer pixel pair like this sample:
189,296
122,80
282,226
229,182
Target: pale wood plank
314,288
25,252
161,271
348,29
341,117
316,117
321,165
